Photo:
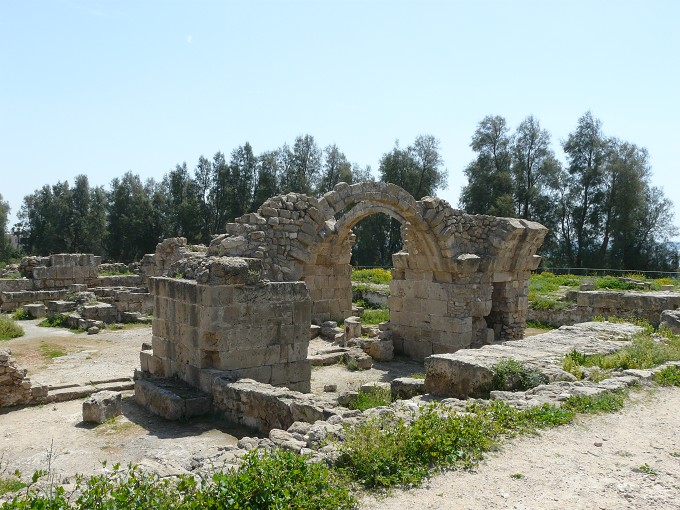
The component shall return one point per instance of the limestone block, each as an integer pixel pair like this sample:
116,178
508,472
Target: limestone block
407,387
102,406
356,356
671,320
374,387
35,310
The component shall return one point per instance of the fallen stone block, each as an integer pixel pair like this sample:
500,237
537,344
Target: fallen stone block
35,310
407,387
671,319
355,358
102,406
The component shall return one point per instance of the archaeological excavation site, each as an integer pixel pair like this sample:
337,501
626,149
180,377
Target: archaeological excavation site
260,335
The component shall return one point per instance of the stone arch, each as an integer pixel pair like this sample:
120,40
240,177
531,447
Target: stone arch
461,280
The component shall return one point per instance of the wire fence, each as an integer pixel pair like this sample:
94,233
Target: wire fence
582,271
589,271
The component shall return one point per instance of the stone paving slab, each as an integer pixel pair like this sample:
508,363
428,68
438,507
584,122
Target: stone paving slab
469,372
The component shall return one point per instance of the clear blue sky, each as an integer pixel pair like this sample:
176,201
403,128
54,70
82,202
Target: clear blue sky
103,87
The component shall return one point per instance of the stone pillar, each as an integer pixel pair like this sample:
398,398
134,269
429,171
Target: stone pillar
251,329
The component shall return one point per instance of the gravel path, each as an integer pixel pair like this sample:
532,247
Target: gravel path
593,464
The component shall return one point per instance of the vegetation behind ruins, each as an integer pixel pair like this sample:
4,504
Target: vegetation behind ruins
600,206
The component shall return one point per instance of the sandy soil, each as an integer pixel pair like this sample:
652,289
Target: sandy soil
593,464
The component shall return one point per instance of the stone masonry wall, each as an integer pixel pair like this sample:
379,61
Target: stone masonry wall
15,387
460,280
590,304
229,320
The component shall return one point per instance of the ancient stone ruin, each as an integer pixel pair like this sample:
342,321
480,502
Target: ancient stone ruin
244,309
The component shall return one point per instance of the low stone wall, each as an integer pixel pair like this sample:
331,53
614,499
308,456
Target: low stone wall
10,301
263,407
590,304
15,387
469,372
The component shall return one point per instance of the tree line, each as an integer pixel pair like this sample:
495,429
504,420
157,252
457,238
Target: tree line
126,220
599,205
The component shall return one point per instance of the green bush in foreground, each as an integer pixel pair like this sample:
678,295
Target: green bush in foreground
9,329
277,480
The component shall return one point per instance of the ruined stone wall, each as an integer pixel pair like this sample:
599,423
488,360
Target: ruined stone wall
590,304
228,319
15,387
481,264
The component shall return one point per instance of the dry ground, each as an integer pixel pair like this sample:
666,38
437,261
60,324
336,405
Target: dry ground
593,464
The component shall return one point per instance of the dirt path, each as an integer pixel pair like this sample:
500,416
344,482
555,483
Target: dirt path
593,464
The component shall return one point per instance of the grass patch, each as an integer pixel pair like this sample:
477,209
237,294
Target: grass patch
9,328
644,351
546,303
52,351
513,375
9,484
669,376
606,402
21,315
613,283
375,316
386,452
539,325
14,275
417,375
377,275
121,272
128,325
377,397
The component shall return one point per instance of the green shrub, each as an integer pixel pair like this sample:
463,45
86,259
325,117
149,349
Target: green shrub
58,321
21,315
277,480
9,329
378,397
613,282
669,376
513,375
377,276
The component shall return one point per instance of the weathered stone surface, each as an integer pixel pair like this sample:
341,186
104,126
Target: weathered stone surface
587,305
407,387
469,372
102,406
376,348
171,398
359,358
15,386
670,319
